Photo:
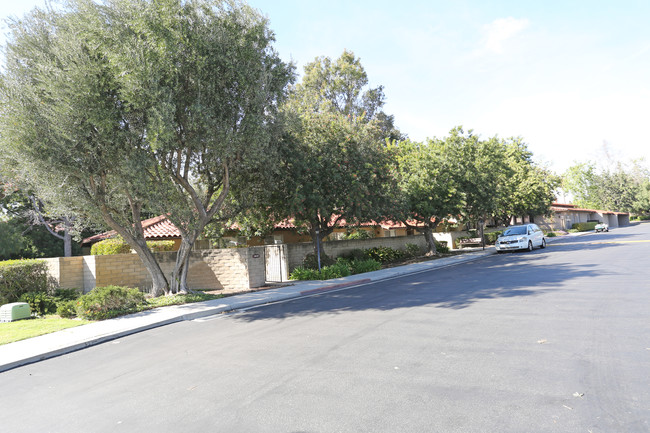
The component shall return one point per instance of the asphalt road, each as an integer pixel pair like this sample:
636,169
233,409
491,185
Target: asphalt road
557,340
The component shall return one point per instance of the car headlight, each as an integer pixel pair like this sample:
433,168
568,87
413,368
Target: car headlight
521,238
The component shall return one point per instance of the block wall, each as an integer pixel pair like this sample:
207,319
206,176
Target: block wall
230,269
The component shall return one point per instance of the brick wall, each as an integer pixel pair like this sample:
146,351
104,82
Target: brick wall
232,268
296,252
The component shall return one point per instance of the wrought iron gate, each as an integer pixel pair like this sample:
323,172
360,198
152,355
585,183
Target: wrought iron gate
274,259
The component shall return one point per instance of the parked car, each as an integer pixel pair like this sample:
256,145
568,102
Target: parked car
602,227
523,237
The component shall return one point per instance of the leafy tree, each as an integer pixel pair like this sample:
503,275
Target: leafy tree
480,162
619,187
127,107
341,86
525,188
642,202
580,180
207,85
429,182
334,170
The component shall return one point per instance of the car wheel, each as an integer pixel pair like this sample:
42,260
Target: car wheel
543,243
530,245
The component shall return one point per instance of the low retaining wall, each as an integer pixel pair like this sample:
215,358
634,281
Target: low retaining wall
232,268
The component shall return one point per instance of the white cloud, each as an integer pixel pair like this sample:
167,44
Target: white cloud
500,30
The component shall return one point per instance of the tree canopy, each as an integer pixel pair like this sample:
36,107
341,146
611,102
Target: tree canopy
128,105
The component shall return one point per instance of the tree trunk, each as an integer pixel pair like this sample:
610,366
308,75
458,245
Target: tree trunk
67,243
317,240
178,283
139,244
158,279
431,242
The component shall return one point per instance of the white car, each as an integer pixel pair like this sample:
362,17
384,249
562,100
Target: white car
524,237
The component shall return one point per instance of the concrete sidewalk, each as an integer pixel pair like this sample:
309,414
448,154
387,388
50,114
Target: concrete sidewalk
58,343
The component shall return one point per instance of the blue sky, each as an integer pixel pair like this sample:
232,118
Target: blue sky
567,76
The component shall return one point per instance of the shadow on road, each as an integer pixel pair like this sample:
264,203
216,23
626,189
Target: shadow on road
501,276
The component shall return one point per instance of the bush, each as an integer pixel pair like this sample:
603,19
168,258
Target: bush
573,231
412,250
161,246
337,270
110,246
441,247
342,268
62,295
358,234
108,302
40,303
491,238
21,276
551,235
311,261
384,254
584,227
304,274
361,266
67,309
355,254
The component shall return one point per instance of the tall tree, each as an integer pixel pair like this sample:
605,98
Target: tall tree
341,86
525,188
429,183
334,170
126,106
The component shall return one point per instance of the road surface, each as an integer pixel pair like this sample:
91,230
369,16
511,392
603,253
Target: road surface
556,340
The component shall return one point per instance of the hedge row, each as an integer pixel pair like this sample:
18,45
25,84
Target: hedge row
18,277
118,246
584,227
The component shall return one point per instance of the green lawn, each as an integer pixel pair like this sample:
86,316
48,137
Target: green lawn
28,328
22,329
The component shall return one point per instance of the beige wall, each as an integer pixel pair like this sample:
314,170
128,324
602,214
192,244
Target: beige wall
232,268
296,252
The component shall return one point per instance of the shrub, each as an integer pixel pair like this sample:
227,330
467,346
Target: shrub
21,276
584,227
304,274
491,238
441,247
384,254
110,246
361,266
358,234
573,231
109,301
551,235
355,254
337,270
311,261
40,303
161,246
67,309
66,294
412,250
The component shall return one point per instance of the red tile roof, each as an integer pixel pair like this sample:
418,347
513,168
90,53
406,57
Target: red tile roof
154,228
561,207
161,228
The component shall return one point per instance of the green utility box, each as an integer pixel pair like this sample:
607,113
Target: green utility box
15,311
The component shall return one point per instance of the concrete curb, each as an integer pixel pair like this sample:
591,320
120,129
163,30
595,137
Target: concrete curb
47,346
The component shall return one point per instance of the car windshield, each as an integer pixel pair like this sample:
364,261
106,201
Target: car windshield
518,230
